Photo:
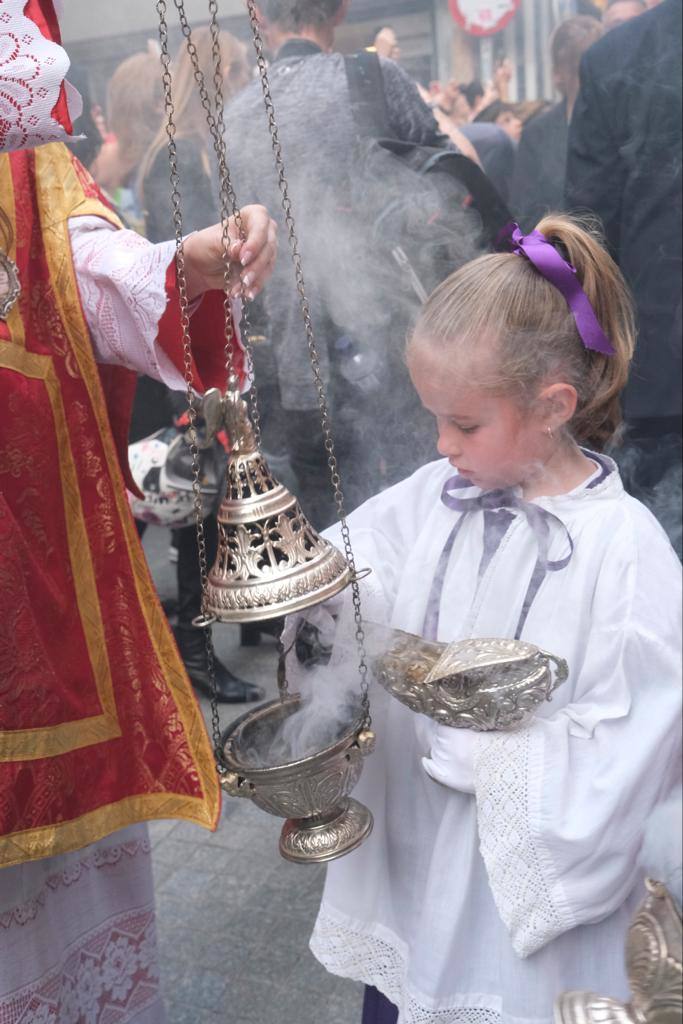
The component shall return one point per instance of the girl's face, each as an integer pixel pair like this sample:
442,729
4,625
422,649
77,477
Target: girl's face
488,438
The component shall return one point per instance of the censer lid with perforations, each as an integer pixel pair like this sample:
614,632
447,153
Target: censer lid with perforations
270,561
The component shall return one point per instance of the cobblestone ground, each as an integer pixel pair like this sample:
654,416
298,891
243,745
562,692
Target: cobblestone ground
234,919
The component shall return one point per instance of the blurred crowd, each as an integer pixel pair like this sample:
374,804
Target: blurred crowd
607,144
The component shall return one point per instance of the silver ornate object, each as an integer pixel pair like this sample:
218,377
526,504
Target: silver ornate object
10,288
479,684
270,560
311,791
654,955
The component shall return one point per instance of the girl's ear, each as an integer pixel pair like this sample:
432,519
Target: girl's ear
557,404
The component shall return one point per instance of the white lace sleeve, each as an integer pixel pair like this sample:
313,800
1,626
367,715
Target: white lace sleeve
531,906
32,69
122,283
561,810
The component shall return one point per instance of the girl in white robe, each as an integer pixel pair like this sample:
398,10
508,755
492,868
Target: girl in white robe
503,866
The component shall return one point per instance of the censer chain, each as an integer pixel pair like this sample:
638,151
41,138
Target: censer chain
228,205
215,123
335,477
228,198
161,7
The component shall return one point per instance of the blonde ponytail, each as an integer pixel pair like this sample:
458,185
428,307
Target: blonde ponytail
501,303
598,415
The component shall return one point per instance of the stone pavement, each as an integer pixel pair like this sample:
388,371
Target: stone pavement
234,919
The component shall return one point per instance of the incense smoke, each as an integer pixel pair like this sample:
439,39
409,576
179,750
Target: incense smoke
330,692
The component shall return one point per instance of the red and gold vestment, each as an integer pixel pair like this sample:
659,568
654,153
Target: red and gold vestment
99,727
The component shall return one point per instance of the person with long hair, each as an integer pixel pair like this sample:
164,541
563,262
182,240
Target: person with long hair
134,107
192,137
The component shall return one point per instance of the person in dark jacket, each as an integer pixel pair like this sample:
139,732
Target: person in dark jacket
624,164
538,183
496,152
155,405
354,316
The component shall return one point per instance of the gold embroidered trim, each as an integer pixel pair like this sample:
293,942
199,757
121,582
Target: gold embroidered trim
50,741
58,184
50,840
15,323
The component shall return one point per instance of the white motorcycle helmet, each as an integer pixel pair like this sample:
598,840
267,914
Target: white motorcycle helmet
161,466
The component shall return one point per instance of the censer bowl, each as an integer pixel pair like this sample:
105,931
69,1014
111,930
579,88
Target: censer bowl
479,684
311,792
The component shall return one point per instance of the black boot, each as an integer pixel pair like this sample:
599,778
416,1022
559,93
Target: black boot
230,689
251,632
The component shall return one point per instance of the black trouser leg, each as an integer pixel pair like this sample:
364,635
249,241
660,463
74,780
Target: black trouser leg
188,575
308,460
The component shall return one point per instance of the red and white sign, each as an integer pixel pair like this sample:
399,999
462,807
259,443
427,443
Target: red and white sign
483,17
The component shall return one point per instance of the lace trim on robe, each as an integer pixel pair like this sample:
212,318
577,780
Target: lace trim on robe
373,960
100,857
83,948
532,913
110,976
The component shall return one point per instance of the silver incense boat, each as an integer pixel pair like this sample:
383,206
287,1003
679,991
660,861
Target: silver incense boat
479,684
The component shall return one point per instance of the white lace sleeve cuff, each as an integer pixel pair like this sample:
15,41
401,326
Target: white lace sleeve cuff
526,891
122,283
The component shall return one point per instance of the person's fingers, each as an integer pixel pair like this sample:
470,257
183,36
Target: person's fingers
259,269
251,260
256,223
254,277
258,272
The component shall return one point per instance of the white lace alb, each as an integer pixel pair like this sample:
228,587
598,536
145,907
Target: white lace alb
77,936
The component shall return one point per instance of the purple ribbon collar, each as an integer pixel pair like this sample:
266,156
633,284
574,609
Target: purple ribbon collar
499,508
550,265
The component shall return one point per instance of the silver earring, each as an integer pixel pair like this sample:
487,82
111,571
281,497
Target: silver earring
549,432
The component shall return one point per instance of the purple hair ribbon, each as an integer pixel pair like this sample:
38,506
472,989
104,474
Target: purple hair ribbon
550,265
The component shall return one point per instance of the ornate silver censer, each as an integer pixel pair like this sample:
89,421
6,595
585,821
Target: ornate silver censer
270,562
311,791
270,559
654,962
479,684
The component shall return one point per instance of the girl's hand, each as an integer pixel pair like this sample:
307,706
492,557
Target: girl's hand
451,758
251,261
